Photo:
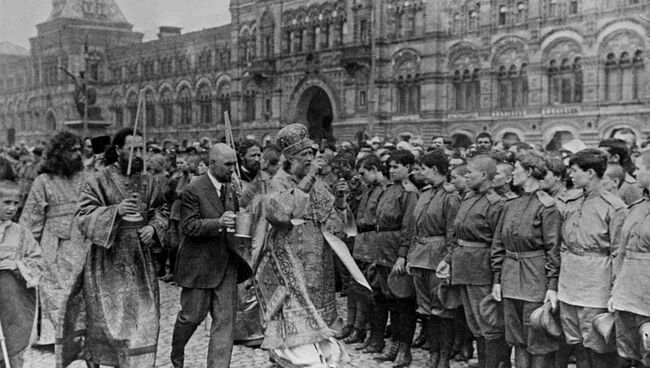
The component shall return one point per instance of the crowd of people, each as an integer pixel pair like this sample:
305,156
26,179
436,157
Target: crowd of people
494,250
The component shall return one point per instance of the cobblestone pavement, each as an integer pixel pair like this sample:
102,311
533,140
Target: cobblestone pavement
196,351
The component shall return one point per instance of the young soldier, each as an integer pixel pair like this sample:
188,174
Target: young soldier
434,216
395,230
630,298
591,237
526,262
468,263
370,171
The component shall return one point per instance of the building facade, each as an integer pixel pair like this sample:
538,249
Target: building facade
542,71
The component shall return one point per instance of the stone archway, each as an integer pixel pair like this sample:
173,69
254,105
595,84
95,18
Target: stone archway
314,109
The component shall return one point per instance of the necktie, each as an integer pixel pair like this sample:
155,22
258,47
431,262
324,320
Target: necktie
222,195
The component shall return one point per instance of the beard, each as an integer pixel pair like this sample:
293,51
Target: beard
136,165
71,167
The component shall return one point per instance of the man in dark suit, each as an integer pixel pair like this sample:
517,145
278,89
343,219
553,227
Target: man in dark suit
208,267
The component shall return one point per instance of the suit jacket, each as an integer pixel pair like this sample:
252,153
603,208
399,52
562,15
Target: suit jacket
206,250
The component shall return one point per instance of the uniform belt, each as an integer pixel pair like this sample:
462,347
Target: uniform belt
524,255
366,228
582,252
472,244
637,255
429,239
381,229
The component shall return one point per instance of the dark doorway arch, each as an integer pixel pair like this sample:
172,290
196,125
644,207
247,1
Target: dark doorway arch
315,110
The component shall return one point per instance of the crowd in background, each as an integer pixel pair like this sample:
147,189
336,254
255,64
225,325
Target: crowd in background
436,241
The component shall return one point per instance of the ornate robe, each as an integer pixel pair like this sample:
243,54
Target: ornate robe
297,256
49,215
120,286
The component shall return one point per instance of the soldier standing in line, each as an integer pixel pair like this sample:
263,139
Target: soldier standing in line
591,238
395,230
370,170
434,217
630,302
468,262
526,263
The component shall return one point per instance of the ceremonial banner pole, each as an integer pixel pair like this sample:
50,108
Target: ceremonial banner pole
144,131
230,140
5,354
135,129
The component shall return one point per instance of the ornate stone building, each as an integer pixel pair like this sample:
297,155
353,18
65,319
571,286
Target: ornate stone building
543,71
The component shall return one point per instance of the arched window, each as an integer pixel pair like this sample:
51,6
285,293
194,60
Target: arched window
407,90
503,15
512,87
622,76
566,81
205,60
167,107
185,104
249,105
205,104
132,107
150,106
224,100
468,90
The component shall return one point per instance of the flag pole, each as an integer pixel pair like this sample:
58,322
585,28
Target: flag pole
5,354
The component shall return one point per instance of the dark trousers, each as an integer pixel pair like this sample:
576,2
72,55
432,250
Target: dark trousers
221,302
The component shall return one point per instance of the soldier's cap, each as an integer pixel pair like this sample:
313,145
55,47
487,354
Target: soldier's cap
99,144
603,324
491,312
543,319
449,295
401,286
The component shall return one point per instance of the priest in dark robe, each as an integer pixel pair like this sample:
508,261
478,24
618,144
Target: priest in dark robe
121,216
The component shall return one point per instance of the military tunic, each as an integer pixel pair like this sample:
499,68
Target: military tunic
629,191
630,292
366,217
591,238
526,262
434,218
473,232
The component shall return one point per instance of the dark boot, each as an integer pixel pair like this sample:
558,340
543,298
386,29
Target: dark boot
345,332
433,337
378,316
480,352
583,357
563,355
356,336
446,342
522,358
607,360
541,361
404,356
366,342
495,352
390,352
421,339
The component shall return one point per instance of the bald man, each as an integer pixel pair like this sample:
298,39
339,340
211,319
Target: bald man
209,267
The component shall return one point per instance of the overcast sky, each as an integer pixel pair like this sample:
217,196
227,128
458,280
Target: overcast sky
18,18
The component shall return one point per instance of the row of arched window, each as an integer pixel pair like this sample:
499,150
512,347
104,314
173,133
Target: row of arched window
167,65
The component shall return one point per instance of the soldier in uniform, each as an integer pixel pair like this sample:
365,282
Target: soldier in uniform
434,216
591,237
503,180
395,230
617,153
468,262
553,182
526,263
370,170
631,302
